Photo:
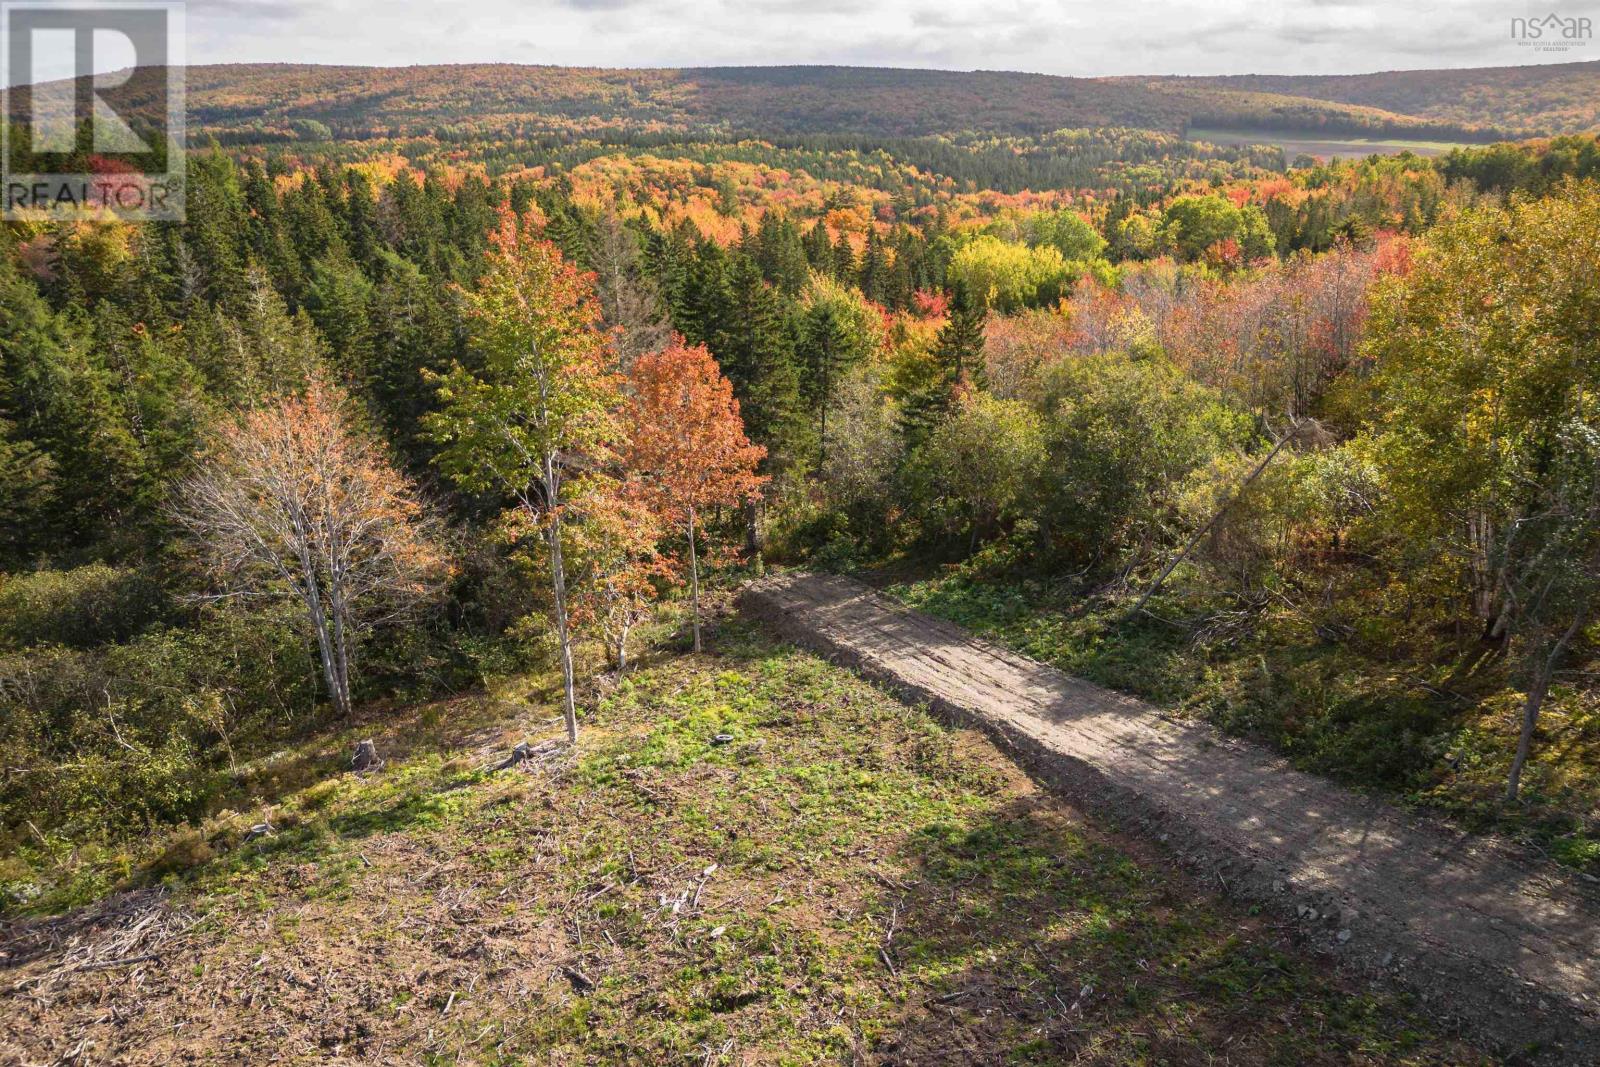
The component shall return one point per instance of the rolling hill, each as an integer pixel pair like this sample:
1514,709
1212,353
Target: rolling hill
287,100
1549,99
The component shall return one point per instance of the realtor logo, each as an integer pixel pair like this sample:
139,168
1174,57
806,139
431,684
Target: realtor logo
94,110
1552,32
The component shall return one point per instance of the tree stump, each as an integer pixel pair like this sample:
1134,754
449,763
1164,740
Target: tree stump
522,752
366,757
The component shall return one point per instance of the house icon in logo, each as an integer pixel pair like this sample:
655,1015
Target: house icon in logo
1552,29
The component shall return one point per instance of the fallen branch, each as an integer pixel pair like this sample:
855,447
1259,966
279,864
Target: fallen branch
106,965
581,982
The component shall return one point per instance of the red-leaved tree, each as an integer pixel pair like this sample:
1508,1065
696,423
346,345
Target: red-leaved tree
688,447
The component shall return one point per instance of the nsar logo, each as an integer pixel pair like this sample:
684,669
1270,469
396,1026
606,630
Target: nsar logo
1553,33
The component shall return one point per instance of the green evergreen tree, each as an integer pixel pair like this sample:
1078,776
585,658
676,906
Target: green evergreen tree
28,488
781,253
361,220
309,222
70,407
706,309
413,332
957,364
269,241
874,273
818,247
844,261
756,352
215,230
339,301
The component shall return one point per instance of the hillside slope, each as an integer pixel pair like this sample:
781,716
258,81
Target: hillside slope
1549,99
479,99
843,882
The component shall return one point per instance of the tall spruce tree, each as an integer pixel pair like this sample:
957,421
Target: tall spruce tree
756,352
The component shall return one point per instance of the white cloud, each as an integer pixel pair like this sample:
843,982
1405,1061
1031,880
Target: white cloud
1049,36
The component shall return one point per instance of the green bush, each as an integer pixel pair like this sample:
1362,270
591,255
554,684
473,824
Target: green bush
185,850
973,474
1123,434
81,607
131,735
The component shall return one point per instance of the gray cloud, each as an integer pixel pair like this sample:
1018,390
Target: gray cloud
802,7
264,10
1082,37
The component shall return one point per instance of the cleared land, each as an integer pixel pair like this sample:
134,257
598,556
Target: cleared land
1511,944
1294,144
844,880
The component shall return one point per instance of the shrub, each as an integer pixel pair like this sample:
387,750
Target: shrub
974,470
186,849
81,607
130,735
1123,434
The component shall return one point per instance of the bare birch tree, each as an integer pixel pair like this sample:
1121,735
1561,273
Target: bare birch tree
292,501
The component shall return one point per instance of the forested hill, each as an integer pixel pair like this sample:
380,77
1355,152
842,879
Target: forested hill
296,102
1548,99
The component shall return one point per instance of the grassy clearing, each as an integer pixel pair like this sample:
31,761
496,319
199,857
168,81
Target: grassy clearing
1431,738
757,858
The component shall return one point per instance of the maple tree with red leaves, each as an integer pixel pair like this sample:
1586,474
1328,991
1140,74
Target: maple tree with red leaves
688,447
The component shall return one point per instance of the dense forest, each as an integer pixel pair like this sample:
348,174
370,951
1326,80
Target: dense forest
1056,389
1543,99
473,101
277,461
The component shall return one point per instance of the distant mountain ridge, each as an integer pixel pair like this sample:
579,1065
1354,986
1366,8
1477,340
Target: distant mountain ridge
1544,99
280,101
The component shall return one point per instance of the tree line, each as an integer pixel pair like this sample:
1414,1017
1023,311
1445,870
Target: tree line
240,450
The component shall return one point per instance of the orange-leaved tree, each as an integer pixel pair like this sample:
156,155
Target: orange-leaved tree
617,565
293,501
687,443
537,408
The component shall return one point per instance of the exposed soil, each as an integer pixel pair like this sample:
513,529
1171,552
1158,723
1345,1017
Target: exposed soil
840,881
1498,941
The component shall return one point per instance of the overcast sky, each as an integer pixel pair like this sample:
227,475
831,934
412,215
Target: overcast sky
1047,36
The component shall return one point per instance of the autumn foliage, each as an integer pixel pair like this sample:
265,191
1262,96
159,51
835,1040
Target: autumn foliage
687,443
293,501
619,569
539,405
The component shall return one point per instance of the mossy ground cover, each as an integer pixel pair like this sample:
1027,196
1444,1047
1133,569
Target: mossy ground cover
755,858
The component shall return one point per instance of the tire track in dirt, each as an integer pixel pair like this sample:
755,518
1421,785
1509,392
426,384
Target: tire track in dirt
1495,942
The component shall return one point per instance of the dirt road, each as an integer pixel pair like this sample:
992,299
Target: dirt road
1506,946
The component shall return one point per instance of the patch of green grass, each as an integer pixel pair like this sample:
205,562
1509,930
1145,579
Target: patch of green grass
835,878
